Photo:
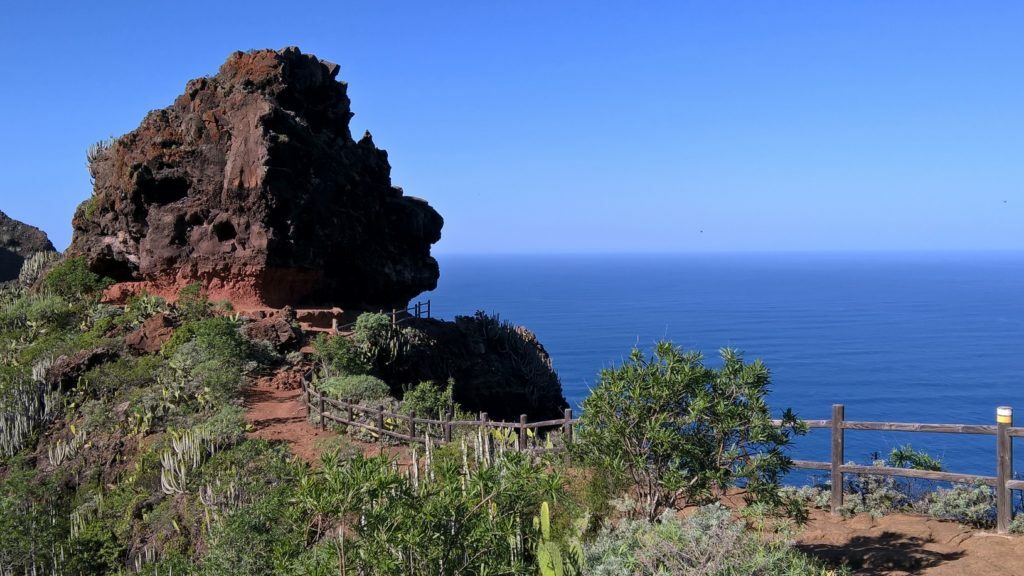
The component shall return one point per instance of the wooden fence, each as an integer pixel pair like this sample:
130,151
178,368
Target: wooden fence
1002,482
410,428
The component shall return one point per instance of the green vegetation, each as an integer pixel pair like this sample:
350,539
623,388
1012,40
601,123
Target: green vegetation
73,279
141,462
677,430
356,388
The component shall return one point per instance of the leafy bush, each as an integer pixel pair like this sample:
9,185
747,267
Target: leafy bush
973,505
73,279
356,388
709,542
428,400
193,303
340,355
679,430
378,339
207,358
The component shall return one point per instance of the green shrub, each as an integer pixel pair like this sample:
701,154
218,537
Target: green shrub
141,307
379,340
709,542
428,400
207,358
193,303
681,431
973,505
340,355
73,279
356,388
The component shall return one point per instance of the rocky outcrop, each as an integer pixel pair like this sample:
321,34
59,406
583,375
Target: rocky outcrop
251,184
497,367
65,371
18,242
152,335
276,331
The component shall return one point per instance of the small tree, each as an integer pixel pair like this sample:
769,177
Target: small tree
677,430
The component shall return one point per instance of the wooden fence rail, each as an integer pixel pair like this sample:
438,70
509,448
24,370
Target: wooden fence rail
1002,482
417,428
411,428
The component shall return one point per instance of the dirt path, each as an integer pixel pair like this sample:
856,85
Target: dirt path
275,410
909,544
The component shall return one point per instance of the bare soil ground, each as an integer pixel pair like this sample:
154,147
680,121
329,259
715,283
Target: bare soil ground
274,408
902,544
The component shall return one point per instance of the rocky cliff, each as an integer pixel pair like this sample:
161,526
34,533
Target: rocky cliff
18,241
251,184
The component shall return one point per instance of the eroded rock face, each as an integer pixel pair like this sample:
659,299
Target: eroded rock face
18,241
251,184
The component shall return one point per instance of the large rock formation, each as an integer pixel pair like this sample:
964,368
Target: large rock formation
497,367
251,184
18,241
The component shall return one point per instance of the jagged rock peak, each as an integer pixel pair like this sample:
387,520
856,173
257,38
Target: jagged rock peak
18,242
251,184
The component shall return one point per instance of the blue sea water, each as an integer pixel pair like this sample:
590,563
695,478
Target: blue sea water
922,337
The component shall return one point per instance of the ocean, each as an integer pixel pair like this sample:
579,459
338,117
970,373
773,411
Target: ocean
901,337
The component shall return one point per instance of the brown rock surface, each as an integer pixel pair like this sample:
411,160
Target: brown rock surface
65,371
251,184
275,330
18,241
152,335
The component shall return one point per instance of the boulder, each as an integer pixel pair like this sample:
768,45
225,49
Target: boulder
152,335
276,330
65,371
251,184
18,242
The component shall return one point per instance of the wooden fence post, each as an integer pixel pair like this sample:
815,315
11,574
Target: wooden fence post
380,424
334,325
321,410
412,425
428,309
838,413
394,316
449,416
1004,468
567,426
350,413
522,432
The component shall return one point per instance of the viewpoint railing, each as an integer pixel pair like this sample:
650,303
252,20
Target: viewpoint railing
418,310
1002,482
410,428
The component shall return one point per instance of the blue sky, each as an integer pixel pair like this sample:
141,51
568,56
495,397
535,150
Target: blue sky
585,126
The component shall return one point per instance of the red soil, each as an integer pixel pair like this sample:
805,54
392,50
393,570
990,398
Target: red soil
277,414
903,544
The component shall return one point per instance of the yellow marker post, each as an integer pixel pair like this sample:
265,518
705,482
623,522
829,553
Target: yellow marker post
1004,469
1004,415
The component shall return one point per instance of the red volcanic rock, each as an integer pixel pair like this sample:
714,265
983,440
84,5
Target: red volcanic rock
276,330
152,335
252,185
65,371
